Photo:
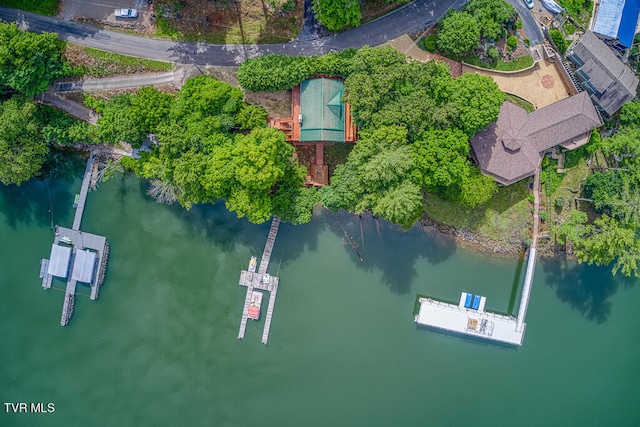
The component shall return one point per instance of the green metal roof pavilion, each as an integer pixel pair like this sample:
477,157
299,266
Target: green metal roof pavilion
323,112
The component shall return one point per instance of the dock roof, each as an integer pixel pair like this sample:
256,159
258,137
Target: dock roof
83,266
617,19
59,261
322,109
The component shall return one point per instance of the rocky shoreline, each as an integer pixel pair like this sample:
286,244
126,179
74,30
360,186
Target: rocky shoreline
468,239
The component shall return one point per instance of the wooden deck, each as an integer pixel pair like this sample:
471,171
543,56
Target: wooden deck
256,281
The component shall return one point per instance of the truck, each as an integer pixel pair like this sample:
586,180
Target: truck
126,13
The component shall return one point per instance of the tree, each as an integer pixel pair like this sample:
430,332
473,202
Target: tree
610,241
22,149
630,114
337,14
475,190
573,228
441,156
402,204
559,40
29,62
493,16
148,108
251,116
478,100
459,33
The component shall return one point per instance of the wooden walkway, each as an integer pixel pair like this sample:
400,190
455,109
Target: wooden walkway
86,181
531,262
256,281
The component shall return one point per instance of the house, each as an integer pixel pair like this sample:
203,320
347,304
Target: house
318,117
616,21
511,148
609,82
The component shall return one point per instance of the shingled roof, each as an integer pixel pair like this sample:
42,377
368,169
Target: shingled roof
510,148
610,82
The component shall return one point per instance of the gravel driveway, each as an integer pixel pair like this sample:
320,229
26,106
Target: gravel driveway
101,10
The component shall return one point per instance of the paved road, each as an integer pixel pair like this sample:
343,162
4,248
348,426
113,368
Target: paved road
528,22
410,18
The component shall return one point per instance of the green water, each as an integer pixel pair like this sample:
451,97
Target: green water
160,347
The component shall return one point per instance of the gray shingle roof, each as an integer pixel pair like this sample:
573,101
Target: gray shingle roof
510,149
613,80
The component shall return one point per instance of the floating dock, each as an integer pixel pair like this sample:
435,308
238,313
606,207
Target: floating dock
469,321
262,281
76,255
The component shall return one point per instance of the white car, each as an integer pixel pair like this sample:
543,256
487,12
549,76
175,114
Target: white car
529,3
126,13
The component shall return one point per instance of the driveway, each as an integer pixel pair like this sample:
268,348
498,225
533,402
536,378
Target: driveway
529,23
100,10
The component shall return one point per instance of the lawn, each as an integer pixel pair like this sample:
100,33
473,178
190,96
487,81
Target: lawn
43,7
92,62
499,65
528,107
506,217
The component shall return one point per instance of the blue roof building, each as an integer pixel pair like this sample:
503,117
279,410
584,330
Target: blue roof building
616,20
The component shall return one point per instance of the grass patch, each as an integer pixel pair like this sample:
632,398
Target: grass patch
504,218
92,62
499,65
42,7
528,107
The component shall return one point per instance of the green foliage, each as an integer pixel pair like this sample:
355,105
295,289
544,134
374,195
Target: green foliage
478,100
29,62
60,129
493,53
604,189
493,16
543,215
477,189
518,63
336,15
578,8
43,7
429,43
251,116
22,149
459,33
559,40
573,228
512,42
630,114
441,156
278,72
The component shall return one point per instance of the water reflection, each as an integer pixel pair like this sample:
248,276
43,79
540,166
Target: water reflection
585,288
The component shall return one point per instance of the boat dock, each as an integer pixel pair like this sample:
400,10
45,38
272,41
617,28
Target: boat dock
469,316
76,256
262,281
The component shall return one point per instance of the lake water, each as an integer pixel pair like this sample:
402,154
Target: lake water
160,347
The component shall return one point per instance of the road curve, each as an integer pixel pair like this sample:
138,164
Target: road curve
407,19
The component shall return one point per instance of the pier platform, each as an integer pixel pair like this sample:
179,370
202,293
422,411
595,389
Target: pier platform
262,281
466,321
78,257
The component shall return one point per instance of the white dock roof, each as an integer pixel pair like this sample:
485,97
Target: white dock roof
83,266
59,261
467,321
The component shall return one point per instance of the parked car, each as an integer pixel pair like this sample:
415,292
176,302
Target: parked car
126,13
529,3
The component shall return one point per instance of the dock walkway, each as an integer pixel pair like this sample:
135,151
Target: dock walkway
86,181
257,281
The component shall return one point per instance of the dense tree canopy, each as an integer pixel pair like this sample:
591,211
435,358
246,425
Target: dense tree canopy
613,238
493,17
337,14
22,149
459,33
29,62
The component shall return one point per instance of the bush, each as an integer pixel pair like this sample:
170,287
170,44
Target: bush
429,43
493,53
559,202
559,41
512,42
543,215
527,42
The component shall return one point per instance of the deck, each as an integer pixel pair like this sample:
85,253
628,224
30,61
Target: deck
475,323
256,280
